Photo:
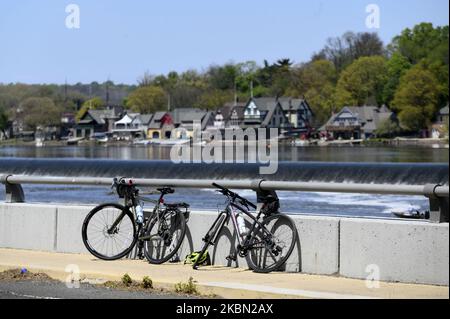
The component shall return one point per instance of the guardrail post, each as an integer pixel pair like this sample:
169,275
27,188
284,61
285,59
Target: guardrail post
14,192
439,211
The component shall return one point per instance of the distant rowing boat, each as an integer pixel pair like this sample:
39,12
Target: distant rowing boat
74,141
172,142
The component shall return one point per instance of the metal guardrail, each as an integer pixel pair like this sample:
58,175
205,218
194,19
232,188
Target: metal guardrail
438,195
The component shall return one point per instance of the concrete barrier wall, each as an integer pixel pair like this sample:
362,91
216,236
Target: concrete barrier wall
28,227
404,251
415,252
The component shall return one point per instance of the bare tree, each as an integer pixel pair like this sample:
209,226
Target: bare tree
146,80
342,51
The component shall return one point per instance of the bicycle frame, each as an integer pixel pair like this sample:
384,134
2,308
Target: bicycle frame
231,213
131,203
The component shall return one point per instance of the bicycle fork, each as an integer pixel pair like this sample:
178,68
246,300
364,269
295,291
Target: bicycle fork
212,235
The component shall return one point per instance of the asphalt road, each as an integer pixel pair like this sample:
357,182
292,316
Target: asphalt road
57,290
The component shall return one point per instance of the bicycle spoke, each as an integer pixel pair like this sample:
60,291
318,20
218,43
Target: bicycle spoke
103,240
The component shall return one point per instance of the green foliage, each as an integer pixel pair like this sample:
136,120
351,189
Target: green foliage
354,69
3,119
189,288
316,81
8,101
126,280
420,42
213,99
396,68
40,111
429,46
147,283
92,104
147,99
416,99
361,81
412,119
388,129
222,77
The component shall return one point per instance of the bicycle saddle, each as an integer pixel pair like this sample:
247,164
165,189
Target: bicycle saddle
166,190
178,205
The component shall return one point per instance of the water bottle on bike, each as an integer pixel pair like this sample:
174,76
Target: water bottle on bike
140,213
243,230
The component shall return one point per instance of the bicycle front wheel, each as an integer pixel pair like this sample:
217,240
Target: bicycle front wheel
272,244
109,232
163,238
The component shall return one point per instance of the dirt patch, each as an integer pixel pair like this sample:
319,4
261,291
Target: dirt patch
133,286
22,274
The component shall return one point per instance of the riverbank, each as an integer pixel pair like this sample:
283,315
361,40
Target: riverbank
421,142
396,142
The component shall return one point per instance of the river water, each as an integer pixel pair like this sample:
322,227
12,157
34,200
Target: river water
355,205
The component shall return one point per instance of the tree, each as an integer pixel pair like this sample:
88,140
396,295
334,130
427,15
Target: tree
213,99
362,82
420,42
321,102
250,74
388,128
278,76
222,77
8,101
3,121
74,101
284,63
147,99
416,99
184,95
342,51
146,80
40,111
429,46
316,81
92,104
396,68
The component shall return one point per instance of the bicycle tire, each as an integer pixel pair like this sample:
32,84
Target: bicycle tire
227,237
280,219
181,222
88,221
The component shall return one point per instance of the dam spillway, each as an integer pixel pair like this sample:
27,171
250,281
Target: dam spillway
361,173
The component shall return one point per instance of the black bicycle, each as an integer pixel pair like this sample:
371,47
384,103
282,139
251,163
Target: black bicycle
111,231
265,240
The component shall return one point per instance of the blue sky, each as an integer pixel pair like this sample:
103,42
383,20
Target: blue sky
121,40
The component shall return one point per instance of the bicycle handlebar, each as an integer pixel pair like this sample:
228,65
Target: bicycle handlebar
227,192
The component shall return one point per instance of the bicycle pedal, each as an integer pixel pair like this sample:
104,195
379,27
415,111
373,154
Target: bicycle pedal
231,258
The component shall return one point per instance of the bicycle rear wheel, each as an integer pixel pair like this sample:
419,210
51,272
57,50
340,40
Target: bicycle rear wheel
162,240
101,239
272,244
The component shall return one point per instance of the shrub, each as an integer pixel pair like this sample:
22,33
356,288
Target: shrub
188,288
147,283
126,280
